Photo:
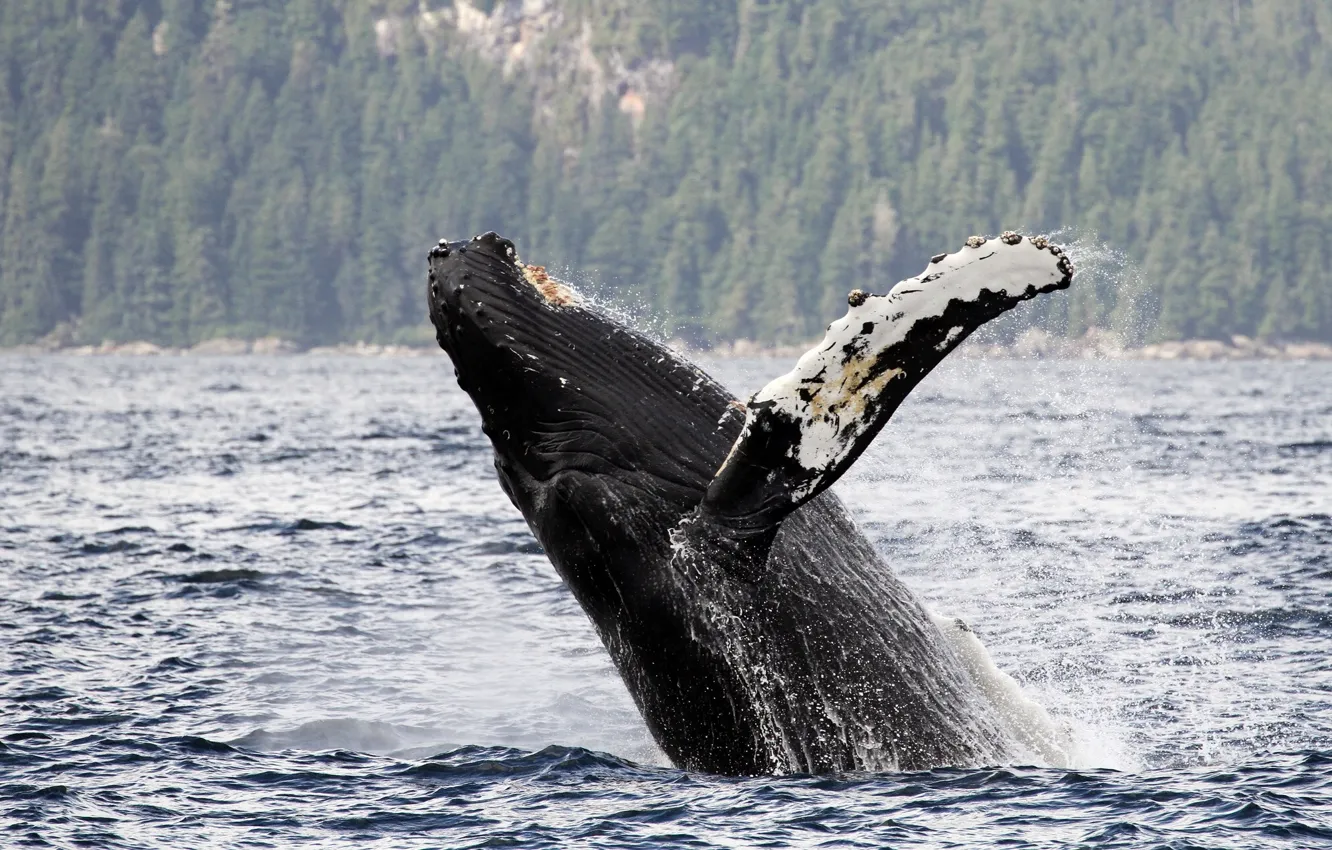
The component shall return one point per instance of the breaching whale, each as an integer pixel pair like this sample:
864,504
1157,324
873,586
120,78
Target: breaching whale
756,628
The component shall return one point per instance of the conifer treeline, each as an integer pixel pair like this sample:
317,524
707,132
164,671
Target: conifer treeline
174,170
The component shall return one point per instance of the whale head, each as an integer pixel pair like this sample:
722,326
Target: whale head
500,321
578,406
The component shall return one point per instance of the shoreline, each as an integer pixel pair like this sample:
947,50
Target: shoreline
1031,345
225,347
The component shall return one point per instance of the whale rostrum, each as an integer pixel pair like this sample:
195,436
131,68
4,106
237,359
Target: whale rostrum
756,628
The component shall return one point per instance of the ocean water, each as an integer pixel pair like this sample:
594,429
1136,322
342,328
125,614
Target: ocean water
267,602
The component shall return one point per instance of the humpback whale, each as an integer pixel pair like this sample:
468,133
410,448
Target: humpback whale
756,628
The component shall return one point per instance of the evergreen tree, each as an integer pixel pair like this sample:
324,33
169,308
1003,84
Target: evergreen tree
30,305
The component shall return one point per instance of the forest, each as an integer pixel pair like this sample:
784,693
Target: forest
180,170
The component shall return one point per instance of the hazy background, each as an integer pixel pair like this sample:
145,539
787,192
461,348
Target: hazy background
177,170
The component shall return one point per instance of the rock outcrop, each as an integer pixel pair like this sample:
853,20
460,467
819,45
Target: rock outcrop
537,40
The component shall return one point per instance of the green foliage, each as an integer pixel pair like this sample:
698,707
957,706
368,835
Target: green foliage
180,169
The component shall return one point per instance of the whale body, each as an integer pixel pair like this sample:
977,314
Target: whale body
756,628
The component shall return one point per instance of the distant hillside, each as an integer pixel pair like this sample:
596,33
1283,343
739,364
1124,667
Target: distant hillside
175,170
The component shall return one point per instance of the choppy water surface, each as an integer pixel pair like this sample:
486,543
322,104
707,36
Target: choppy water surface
275,602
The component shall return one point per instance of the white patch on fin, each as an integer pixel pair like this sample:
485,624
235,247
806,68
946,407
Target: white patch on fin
832,385
950,339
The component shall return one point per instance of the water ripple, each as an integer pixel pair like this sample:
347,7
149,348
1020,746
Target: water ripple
283,602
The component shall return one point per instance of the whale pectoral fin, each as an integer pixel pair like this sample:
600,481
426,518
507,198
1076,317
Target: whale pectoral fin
804,429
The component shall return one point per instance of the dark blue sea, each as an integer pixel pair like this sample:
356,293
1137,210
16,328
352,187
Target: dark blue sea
267,602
